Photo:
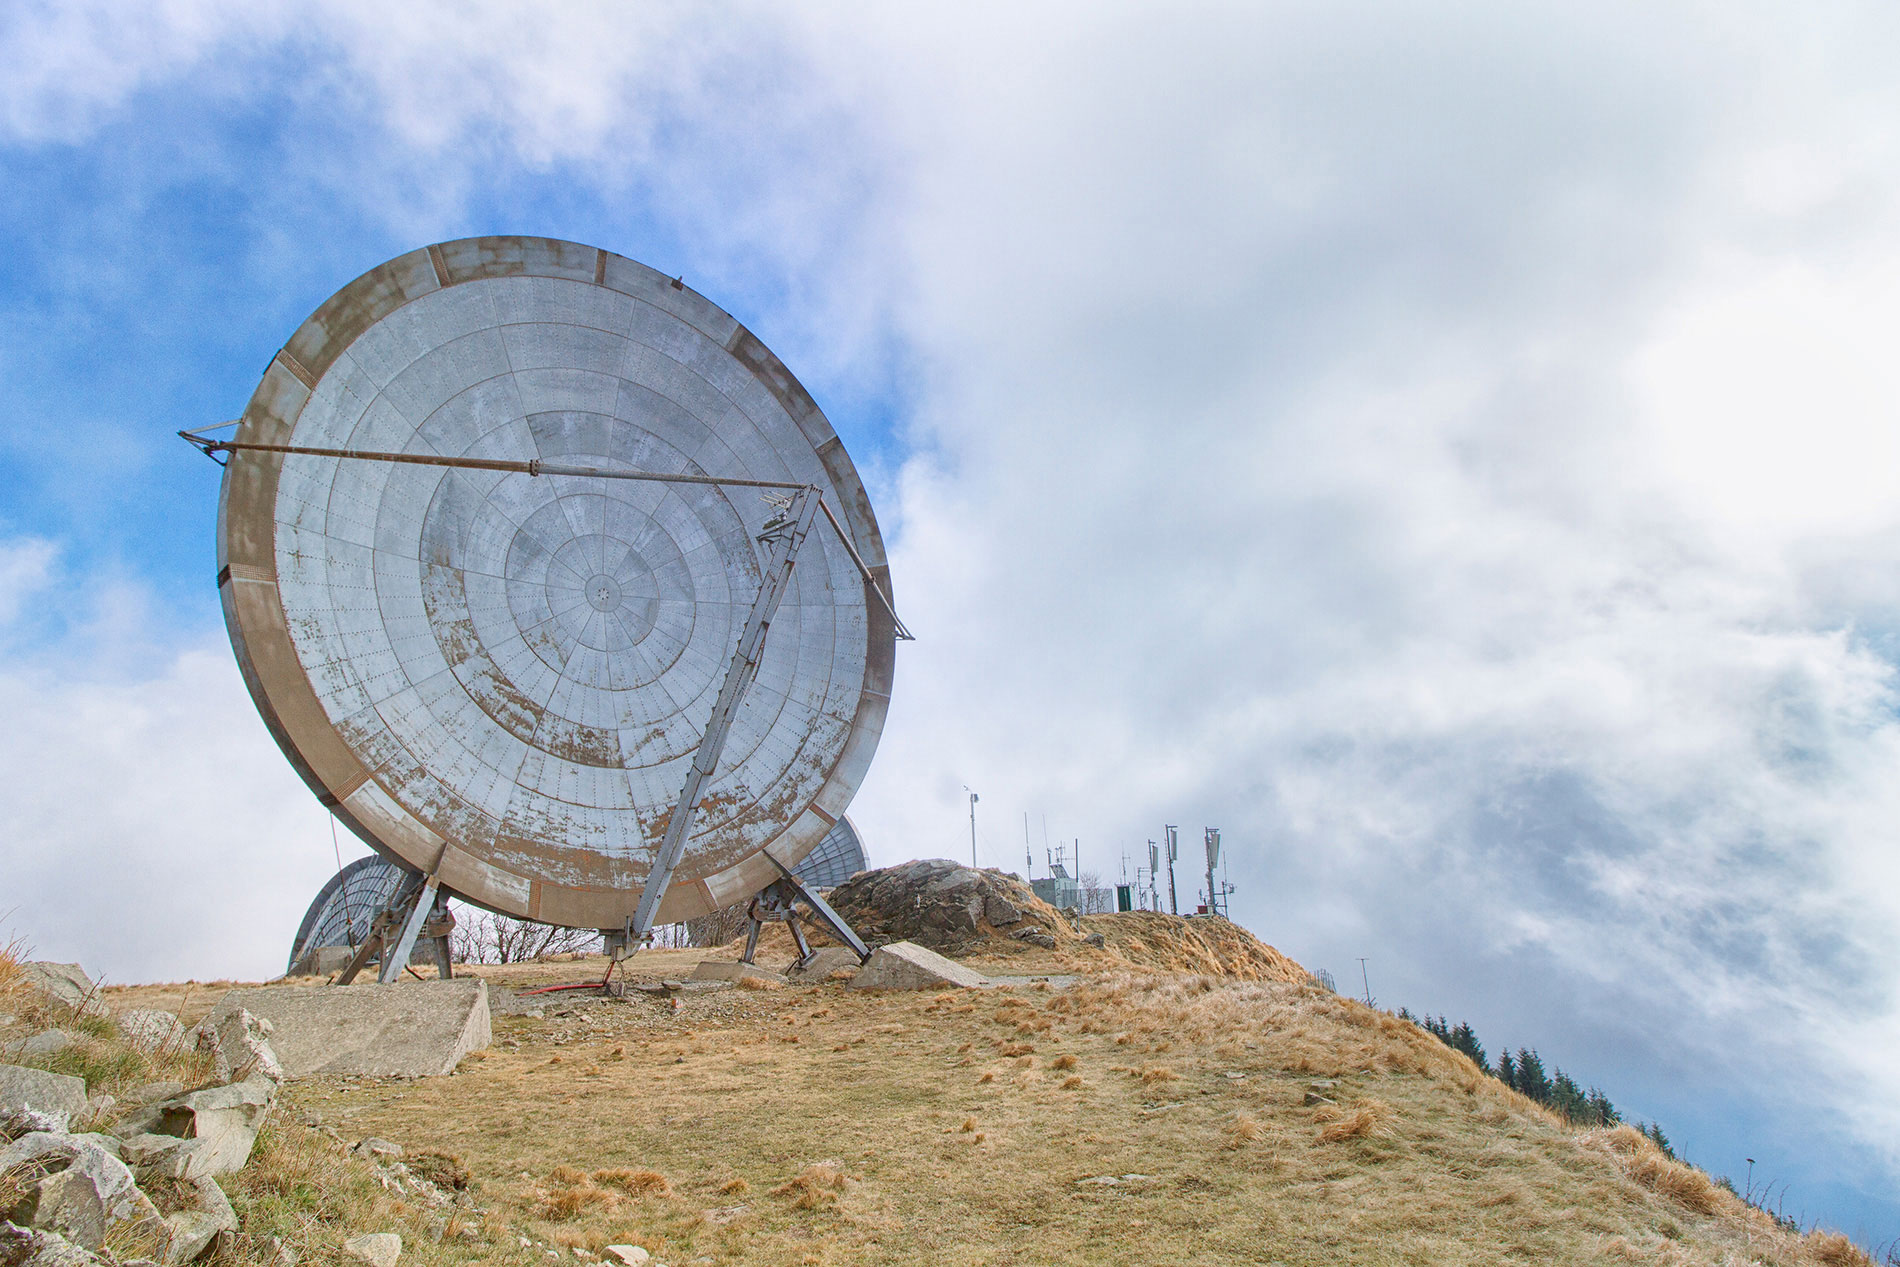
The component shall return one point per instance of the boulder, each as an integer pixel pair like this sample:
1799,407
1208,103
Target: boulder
406,1029
20,1122
153,1092
65,984
906,966
378,1249
23,1247
193,1231
239,1042
151,1030
944,905
44,1043
630,1255
1035,937
87,1191
57,1094
721,970
200,1135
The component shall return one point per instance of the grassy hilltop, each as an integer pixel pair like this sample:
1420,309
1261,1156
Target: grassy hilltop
1146,1105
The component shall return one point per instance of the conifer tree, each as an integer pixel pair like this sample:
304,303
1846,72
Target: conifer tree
1465,1039
1507,1070
1531,1078
1567,1097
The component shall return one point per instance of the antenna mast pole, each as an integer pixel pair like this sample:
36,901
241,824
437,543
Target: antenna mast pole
966,787
1174,851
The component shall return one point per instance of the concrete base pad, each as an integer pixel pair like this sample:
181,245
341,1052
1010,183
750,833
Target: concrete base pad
724,970
409,1029
825,962
904,965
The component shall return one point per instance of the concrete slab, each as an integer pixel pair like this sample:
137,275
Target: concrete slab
825,962
724,970
905,965
412,1029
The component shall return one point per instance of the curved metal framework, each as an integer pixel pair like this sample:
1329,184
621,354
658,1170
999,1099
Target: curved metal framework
838,857
346,905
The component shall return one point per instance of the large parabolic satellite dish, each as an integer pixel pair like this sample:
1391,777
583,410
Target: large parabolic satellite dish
499,677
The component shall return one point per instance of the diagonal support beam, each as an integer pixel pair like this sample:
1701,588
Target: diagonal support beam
834,921
784,534
394,961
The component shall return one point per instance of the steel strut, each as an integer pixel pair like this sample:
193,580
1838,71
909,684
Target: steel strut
784,534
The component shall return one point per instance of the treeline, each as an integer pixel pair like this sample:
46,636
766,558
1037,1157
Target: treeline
1525,1073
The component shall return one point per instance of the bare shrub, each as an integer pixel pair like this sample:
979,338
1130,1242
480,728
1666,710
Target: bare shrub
485,937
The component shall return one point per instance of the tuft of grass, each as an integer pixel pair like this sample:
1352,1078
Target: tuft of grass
1363,1119
760,983
1642,1161
637,1183
1159,1073
1243,1129
1835,1250
816,1186
734,1188
1072,1083
1063,1062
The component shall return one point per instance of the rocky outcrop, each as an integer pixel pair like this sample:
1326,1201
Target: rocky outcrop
66,1192
82,1191
940,904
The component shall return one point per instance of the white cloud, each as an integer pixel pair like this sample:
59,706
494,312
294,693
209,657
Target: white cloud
1450,449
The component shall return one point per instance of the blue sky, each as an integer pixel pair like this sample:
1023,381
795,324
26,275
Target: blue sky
1451,448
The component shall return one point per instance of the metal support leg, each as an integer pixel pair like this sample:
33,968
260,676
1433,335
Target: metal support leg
832,920
382,929
784,534
394,961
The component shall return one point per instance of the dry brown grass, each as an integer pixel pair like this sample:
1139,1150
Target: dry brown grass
636,1183
816,1186
1644,1162
1835,1250
1453,1168
1362,1119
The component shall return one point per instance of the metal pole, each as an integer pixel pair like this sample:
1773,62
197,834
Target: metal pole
1174,900
966,787
1210,838
536,468
785,533
1365,980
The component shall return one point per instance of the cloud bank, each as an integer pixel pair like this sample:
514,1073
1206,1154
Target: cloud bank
1450,448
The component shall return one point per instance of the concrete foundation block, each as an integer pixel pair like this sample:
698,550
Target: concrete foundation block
407,1029
905,965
